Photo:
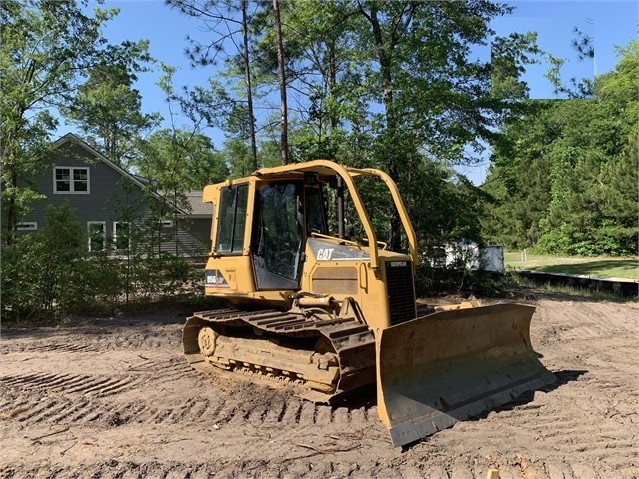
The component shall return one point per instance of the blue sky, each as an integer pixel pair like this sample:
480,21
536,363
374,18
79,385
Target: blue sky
610,22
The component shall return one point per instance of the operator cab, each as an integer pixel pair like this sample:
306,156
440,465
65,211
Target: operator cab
286,212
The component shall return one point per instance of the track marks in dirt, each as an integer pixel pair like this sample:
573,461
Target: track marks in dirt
264,409
30,411
596,320
584,427
586,423
89,339
63,347
69,399
161,369
314,466
69,383
48,344
292,411
194,410
239,468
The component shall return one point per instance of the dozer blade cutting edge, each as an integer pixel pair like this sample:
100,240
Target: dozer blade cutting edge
449,366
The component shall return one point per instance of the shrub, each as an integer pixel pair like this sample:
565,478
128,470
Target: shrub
40,270
433,281
48,274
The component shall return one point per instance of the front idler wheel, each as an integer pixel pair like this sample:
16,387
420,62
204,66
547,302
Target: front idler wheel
206,339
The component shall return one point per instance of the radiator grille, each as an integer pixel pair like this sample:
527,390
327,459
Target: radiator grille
401,291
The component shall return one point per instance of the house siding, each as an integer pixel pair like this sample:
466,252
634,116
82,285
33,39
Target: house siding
113,196
106,197
194,237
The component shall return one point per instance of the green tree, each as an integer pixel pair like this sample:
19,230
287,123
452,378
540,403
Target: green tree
435,98
281,80
180,161
324,70
235,20
43,271
564,174
108,109
378,84
519,177
618,197
47,49
508,59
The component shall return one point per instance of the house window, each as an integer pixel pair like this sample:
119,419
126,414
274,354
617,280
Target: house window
27,226
71,180
122,235
167,223
97,235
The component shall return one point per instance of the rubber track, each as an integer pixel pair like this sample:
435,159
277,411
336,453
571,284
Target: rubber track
354,343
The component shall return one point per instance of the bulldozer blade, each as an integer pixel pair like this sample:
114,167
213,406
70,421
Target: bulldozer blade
452,365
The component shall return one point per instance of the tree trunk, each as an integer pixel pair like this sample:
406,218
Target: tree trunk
12,213
282,82
249,88
384,56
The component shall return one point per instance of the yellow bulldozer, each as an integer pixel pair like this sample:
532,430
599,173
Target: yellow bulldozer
331,314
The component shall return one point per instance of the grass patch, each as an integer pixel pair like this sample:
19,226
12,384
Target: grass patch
527,289
603,267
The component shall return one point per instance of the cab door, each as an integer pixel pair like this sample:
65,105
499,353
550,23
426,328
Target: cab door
278,235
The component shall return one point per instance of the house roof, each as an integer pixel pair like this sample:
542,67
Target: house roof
140,181
195,206
198,208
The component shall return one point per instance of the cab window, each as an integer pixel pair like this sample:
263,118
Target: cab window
232,220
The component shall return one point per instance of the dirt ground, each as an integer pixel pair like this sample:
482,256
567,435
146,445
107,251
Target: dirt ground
113,398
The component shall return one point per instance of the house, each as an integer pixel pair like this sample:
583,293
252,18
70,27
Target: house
118,209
